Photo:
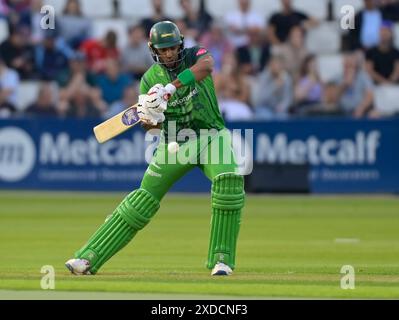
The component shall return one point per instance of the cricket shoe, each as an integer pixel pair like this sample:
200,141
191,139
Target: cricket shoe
78,266
221,269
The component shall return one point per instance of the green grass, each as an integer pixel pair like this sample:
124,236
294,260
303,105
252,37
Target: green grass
287,246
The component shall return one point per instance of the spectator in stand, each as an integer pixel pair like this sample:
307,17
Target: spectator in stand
98,51
189,37
31,21
232,108
293,51
130,98
136,58
44,106
19,6
383,60
51,62
113,83
368,23
255,54
18,54
231,72
309,88
81,105
157,16
233,90
77,75
281,23
390,10
4,9
74,26
238,22
276,94
9,82
197,21
330,103
217,44
79,81
356,87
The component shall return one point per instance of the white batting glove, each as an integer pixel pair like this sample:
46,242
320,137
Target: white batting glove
154,99
148,115
162,92
168,91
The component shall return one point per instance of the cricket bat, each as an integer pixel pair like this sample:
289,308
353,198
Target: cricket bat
117,124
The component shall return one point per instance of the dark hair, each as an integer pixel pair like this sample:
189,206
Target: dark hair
305,64
67,5
135,27
111,38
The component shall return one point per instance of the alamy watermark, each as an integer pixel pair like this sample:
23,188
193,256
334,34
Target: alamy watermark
208,146
348,280
48,19
48,280
348,17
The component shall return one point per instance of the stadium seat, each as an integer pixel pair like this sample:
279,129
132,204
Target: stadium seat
219,8
140,9
57,4
396,35
330,67
95,8
324,39
316,9
27,93
386,99
338,4
101,26
4,33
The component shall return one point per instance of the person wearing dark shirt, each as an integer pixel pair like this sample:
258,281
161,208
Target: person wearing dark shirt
51,62
18,54
256,54
157,16
44,105
196,21
383,60
367,24
390,10
281,23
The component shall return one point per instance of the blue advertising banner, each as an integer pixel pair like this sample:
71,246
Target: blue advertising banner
344,156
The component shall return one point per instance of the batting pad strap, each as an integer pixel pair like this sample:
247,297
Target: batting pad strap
138,208
186,77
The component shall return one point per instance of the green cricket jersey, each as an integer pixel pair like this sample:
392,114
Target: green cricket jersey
192,107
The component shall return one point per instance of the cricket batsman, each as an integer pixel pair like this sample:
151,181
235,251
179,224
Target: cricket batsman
178,89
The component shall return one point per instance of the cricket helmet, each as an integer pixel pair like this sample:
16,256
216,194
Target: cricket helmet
165,34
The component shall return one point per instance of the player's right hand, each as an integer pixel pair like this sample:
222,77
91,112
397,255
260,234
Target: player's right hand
155,99
148,115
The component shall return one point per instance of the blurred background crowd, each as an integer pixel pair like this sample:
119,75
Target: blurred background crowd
272,61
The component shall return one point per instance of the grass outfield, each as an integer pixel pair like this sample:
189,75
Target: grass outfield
292,247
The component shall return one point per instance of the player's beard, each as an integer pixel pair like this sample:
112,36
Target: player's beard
173,64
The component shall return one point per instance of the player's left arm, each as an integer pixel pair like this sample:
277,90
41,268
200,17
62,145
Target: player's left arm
200,70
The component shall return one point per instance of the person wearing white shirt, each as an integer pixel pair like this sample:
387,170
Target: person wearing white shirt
239,21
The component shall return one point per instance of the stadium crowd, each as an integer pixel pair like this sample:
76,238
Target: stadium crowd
263,68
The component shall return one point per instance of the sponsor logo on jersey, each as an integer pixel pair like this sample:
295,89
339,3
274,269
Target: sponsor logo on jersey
185,99
201,52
